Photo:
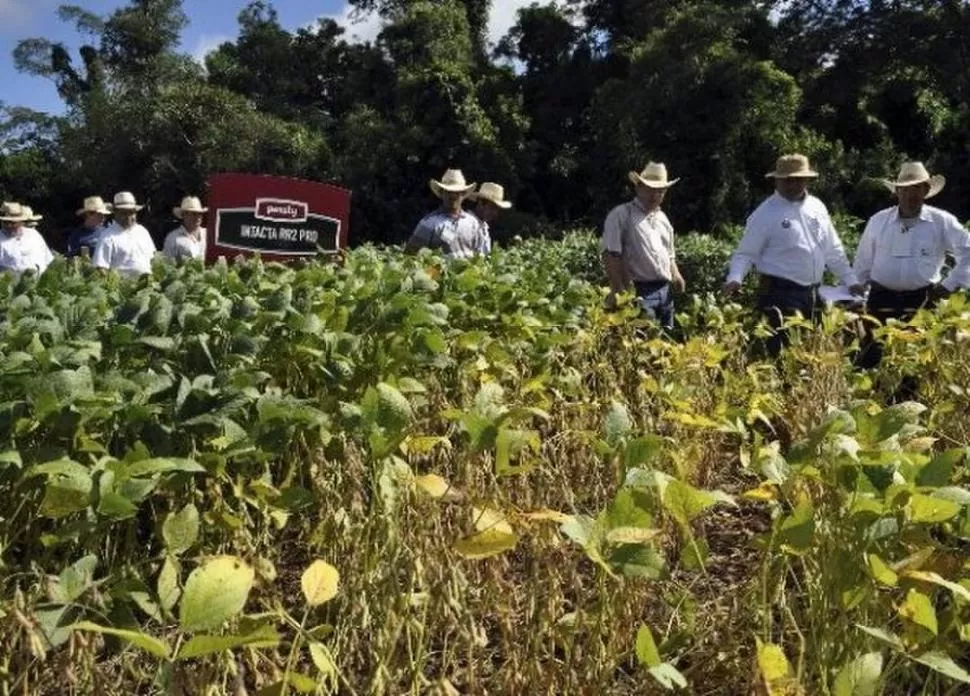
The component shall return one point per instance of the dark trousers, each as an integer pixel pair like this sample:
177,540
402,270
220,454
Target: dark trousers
657,302
778,299
885,304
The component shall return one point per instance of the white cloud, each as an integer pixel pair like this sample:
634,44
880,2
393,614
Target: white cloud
366,27
206,44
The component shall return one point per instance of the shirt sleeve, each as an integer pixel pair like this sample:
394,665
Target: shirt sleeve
957,243
835,257
168,246
485,239
102,254
865,254
422,233
613,231
749,248
46,256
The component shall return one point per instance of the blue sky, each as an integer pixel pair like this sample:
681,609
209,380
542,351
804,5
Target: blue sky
210,23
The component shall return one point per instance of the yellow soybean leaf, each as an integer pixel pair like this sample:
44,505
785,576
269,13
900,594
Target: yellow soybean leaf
919,609
765,491
322,659
936,579
546,515
319,582
772,663
881,572
925,508
436,487
489,542
489,518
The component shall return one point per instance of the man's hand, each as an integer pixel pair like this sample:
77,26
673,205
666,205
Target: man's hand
609,304
731,288
858,289
678,283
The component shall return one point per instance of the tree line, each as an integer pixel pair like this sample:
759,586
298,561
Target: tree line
575,95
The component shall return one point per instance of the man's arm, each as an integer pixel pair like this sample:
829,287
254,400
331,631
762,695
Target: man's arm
836,259
957,243
676,279
615,272
749,250
420,237
865,254
102,254
612,245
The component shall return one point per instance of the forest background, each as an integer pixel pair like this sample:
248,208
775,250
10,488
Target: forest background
576,94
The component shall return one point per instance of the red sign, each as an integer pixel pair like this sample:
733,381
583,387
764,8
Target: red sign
278,217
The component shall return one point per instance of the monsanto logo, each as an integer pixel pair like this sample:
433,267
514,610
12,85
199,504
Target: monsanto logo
278,210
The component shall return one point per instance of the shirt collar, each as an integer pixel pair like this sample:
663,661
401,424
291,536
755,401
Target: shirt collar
636,202
924,214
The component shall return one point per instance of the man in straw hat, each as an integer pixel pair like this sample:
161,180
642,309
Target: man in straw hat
22,248
450,228
790,240
84,239
638,246
188,240
125,246
489,203
902,252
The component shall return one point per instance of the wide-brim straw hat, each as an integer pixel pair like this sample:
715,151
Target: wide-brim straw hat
126,201
913,173
13,212
190,204
453,181
94,204
493,193
31,217
654,176
792,167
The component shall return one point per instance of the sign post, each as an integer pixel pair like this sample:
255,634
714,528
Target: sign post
280,218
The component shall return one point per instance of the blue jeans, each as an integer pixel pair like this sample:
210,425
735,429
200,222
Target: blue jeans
656,302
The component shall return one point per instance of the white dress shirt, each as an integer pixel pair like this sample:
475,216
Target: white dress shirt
794,240
24,250
644,240
909,259
182,244
128,251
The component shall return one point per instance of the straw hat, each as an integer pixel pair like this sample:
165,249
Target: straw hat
126,201
29,214
654,176
913,173
190,204
13,212
792,167
94,204
452,182
493,193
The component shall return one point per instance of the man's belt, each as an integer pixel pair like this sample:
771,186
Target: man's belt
770,282
650,285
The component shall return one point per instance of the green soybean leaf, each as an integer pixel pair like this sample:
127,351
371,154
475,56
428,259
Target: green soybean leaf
150,644
668,676
944,664
214,593
927,509
860,677
181,530
647,652
798,529
881,572
168,584
199,646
